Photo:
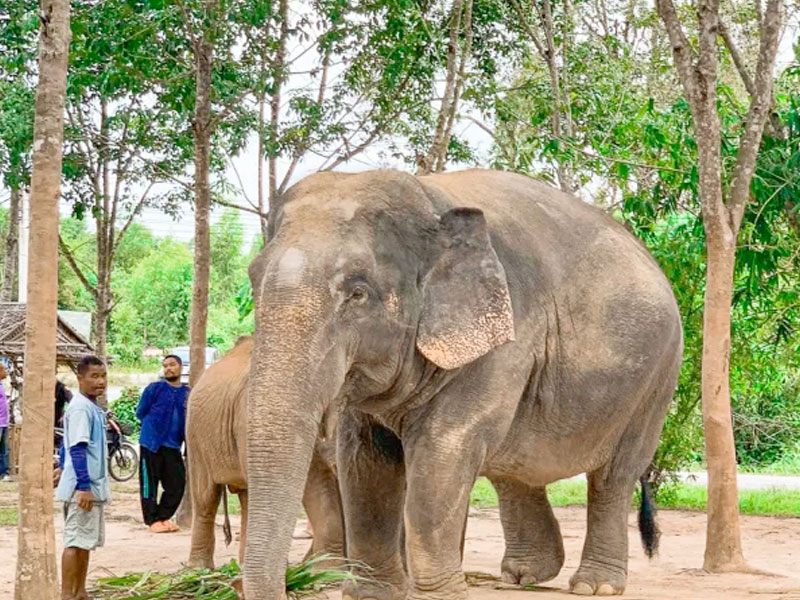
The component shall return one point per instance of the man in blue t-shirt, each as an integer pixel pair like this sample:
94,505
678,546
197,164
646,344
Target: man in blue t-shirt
162,411
83,485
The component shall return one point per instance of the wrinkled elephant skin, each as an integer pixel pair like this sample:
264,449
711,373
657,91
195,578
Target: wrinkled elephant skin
216,431
464,324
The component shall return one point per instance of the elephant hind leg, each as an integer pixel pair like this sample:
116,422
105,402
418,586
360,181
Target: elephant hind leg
205,500
534,547
603,569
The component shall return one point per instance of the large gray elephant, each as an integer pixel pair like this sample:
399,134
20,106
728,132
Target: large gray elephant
216,431
471,323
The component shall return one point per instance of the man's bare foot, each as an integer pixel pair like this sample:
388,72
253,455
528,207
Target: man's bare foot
173,527
159,527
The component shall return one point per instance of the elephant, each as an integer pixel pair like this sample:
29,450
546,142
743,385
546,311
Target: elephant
464,324
216,431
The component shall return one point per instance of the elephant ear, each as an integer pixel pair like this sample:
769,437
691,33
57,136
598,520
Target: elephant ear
466,309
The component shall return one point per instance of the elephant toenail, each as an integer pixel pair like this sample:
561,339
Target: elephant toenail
605,589
582,589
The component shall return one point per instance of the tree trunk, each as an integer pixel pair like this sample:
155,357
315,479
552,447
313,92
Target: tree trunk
102,303
278,71
723,538
261,205
428,163
204,55
12,246
202,238
36,575
466,49
564,179
101,315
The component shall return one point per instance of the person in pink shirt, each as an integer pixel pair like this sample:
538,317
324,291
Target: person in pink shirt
4,423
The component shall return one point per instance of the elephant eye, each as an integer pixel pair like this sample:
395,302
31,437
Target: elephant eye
358,295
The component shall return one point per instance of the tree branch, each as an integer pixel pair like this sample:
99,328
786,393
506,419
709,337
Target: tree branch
737,59
760,104
75,268
428,162
681,51
244,208
529,29
130,219
326,58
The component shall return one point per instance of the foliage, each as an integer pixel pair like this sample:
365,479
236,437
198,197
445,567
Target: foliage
205,584
633,152
125,406
158,295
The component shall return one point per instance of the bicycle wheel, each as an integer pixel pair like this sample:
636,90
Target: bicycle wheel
124,463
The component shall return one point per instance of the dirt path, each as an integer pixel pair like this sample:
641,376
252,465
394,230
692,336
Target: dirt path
771,544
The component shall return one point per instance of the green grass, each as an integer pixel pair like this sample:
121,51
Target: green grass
772,502
234,508
8,516
560,493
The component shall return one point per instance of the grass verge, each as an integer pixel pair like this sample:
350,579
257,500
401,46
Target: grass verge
560,493
769,502
8,516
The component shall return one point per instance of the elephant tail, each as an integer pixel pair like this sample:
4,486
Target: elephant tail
226,525
648,528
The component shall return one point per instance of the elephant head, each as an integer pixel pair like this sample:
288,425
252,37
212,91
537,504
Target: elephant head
369,282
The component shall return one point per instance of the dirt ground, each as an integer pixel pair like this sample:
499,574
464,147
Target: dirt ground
771,544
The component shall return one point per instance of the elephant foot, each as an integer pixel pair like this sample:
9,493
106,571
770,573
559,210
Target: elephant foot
530,570
371,590
238,586
597,581
201,562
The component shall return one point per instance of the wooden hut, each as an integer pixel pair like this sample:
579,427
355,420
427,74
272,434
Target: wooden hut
71,347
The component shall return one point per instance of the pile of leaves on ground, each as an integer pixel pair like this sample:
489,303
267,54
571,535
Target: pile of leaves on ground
206,584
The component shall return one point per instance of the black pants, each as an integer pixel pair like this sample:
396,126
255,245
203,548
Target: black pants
164,467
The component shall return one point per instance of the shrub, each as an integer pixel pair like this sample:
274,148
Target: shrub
124,408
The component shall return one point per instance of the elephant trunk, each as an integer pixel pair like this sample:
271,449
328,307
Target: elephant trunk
284,410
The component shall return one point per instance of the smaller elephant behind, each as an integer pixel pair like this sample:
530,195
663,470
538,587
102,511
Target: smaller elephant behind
216,434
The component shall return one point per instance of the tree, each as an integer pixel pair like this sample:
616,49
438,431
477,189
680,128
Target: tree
120,144
36,575
16,137
434,160
561,113
11,246
724,197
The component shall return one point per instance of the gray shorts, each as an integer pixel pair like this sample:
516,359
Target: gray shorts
82,529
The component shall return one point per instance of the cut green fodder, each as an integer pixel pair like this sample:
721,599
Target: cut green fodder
204,584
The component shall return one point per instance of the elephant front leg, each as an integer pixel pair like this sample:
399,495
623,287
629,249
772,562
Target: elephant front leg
372,482
441,474
604,563
534,548
324,509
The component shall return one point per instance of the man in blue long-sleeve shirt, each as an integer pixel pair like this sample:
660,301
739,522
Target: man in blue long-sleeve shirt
83,486
162,411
